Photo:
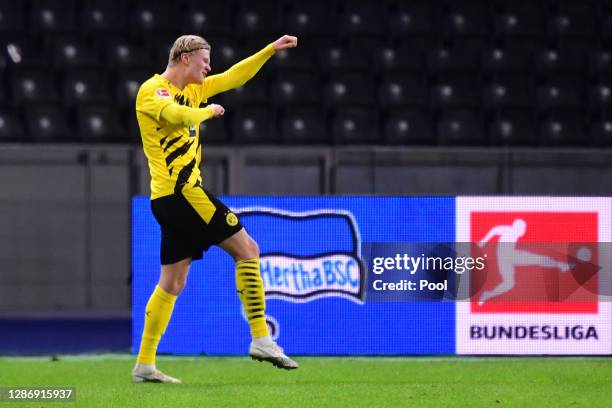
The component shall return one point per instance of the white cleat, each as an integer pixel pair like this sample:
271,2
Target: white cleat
271,353
143,373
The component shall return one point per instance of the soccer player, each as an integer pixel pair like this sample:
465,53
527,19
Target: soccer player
191,218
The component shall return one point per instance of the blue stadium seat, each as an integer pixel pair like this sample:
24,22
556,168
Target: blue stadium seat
257,41
150,16
409,127
33,85
403,90
564,128
207,17
52,16
362,19
466,19
127,83
601,132
296,59
510,59
414,18
295,88
104,17
572,20
561,92
224,53
461,127
254,124
388,59
310,18
303,125
84,87
419,44
11,126
510,91
456,91
606,28
70,52
258,18
343,59
513,128
99,124
600,62
550,61
253,92
519,19
48,123
12,17
600,96
453,59
123,55
348,89
356,125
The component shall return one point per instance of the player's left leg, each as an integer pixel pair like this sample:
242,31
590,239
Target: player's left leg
245,252
158,312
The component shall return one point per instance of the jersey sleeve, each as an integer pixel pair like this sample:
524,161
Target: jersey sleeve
235,76
176,114
152,99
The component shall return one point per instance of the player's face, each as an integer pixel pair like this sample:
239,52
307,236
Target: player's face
199,66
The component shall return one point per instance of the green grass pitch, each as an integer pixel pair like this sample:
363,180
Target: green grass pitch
104,381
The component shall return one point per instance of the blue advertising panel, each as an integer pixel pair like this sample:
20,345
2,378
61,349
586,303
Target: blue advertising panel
314,275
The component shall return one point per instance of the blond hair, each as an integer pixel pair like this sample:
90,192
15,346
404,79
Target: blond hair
186,43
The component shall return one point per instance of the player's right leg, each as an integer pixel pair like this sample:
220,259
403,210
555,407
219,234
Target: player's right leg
158,312
245,252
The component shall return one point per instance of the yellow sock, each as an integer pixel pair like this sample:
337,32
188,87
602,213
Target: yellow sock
252,296
158,312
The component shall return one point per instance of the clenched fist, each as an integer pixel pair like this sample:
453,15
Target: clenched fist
286,41
218,110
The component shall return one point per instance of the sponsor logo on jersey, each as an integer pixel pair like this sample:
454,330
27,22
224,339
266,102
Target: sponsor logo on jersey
231,219
162,93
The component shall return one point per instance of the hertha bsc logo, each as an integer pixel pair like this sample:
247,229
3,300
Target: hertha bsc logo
333,268
542,289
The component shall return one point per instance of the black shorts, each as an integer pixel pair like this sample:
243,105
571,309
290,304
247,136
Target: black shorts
192,221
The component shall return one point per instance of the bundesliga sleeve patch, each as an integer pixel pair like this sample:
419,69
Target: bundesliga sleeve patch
162,93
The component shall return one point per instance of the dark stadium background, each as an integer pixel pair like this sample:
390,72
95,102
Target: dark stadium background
500,97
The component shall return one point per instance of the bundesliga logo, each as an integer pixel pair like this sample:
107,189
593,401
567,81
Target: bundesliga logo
537,262
162,93
542,291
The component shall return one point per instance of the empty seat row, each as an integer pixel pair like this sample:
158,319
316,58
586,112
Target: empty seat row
349,18
83,87
420,55
311,125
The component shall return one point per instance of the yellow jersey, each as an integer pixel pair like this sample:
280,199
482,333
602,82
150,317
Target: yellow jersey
174,152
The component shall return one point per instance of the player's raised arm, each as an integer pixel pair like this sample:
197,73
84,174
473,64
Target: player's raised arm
240,73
